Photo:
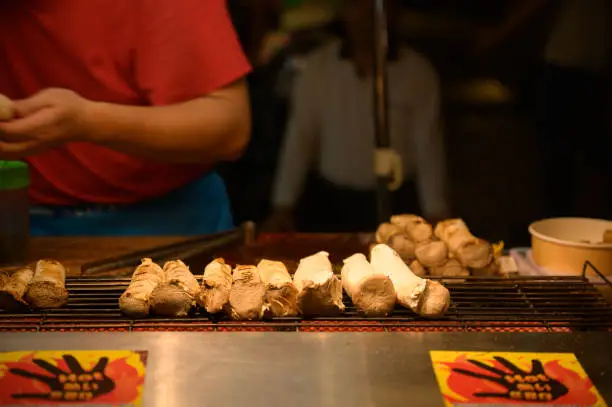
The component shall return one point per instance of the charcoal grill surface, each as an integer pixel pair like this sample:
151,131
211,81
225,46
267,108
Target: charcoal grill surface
523,304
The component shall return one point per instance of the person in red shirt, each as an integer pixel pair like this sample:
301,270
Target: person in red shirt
123,109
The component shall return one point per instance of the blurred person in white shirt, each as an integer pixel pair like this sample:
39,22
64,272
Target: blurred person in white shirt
331,133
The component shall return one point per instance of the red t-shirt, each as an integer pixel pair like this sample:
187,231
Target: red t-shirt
133,52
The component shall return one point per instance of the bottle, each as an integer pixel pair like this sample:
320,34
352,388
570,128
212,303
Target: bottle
14,212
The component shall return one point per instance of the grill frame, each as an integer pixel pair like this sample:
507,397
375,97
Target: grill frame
480,304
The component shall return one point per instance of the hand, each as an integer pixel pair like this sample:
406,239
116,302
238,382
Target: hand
49,118
281,221
521,385
76,384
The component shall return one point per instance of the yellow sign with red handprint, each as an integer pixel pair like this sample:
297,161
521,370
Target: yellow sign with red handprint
513,378
34,378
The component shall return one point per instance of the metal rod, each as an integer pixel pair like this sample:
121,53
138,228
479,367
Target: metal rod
587,265
381,111
184,249
381,50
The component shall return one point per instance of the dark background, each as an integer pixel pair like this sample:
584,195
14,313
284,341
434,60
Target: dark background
493,168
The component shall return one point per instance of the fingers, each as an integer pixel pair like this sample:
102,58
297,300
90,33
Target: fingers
48,367
27,127
73,364
509,366
487,367
26,107
101,365
480,376
29,375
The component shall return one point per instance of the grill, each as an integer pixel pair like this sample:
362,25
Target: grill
520,304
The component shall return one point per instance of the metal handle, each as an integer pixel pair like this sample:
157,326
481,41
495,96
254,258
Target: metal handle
588,264
381,51
381,115
246,235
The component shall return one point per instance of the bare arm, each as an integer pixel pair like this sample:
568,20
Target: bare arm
185,66
187,63
214,127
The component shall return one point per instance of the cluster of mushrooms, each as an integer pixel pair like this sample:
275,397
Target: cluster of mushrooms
448,250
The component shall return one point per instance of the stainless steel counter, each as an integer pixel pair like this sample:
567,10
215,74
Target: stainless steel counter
309,369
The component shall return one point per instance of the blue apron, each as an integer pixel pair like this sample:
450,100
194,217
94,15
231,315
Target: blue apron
201,207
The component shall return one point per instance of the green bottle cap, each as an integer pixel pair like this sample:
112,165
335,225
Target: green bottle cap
14,175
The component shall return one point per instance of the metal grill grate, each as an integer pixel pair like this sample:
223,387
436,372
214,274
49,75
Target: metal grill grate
522,304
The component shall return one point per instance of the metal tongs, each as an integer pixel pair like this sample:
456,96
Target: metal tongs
202,245
387,162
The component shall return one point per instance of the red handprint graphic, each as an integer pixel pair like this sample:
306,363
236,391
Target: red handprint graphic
75,384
